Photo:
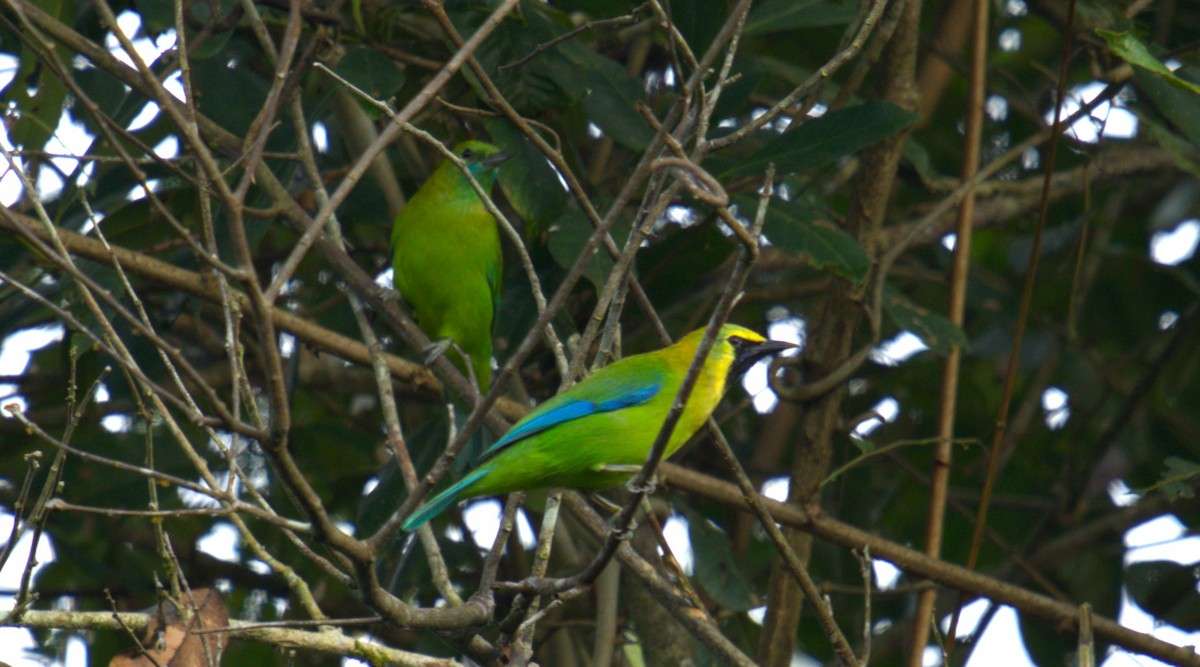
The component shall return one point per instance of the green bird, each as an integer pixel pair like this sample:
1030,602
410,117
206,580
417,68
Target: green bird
598,433
446,260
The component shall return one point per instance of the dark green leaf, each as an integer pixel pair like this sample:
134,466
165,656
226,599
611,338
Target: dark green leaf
1167,590
733,98
1177,481
939,333
1134,51
371,71
821,140
566,239
528,180
1174,104
697,22
778,15
679,262
717,569
613,96
801,232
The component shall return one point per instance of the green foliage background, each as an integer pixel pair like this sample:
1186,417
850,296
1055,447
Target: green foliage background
1112,329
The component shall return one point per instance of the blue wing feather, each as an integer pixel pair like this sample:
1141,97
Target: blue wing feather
434,506
570,410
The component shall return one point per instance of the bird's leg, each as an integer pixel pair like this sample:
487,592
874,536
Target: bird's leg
439,347
646,489
605,504
436,349
614,510
389,294
617,468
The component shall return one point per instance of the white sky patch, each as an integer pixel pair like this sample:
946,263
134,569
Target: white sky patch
320,137
483,520
1112,122
1132,617
675,530
1015,8
1056,404
886,574
776,488
788,330
1175,246
886,412
287,345
1121,495
1000,645
15,354
344,526
384,279
1031,158
144,117
116,423
949,241
1167,319
168,148
898,349
139,191
8,68
14,642
130,24
1009,40
1161,538
996,107
68,140
195,499
221,541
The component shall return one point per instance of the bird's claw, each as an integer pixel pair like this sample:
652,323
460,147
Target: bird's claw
646,489
605,503
389,294
621,535
436,349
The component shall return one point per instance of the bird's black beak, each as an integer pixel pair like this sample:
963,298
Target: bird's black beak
495,158
750,353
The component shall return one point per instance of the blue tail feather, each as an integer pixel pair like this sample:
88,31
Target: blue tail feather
436,505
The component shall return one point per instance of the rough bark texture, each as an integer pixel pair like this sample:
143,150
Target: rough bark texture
833,338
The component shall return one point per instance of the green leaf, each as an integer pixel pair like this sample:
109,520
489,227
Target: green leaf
679,263
551,80
939,333
717,569
798,230
1129,47
697,22
821,140
371,71
1177,481
748,72
1167,590
528,180
1176,105
567,237
779,15
613,96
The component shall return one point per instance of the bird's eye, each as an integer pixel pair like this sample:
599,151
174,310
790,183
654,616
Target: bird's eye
468,154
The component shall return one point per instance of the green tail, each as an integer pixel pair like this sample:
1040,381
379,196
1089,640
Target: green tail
441,501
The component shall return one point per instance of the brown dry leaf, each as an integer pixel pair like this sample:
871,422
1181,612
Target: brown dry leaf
178,645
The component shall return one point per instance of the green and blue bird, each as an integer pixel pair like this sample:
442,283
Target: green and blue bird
446,261
597,433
